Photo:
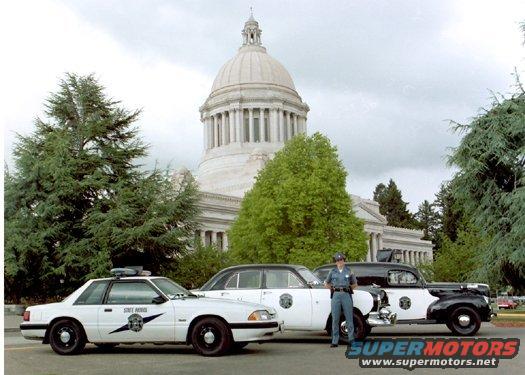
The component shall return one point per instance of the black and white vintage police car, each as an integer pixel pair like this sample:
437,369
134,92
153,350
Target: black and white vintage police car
462,307
299,297
134,307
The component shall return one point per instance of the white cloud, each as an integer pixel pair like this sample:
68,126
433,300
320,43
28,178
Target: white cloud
47,39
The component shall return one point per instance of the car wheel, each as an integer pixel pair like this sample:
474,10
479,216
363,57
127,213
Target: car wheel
67,337
464,321
211,337
368,329
239,345
359,327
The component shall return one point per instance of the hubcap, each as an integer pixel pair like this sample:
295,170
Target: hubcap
344,328
209,337
65,337
464,320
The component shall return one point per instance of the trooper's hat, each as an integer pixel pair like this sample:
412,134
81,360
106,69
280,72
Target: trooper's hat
339,256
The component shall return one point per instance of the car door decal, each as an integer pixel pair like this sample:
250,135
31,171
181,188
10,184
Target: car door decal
135,323
405,303
286,301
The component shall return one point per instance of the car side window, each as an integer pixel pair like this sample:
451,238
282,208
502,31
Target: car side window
123,293
245,280
398,277
282,279
93,294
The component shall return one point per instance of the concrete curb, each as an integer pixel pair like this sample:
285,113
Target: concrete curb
6,330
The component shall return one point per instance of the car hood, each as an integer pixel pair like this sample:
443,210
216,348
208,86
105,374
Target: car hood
438,289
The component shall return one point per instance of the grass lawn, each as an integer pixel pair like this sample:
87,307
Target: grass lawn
509,318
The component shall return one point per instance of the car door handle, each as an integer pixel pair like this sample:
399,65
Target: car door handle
224,293
267,292
108,310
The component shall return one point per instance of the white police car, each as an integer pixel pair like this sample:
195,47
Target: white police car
135,307
299,297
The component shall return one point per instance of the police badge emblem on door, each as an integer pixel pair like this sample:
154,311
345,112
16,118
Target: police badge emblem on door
286,301
405,303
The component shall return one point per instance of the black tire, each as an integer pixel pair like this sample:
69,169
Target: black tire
237,346
66,337
105,346
217,343
368,329
359,327
465,329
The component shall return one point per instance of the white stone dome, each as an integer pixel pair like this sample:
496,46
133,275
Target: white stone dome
252,65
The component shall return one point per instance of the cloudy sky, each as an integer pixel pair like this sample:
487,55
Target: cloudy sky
382,78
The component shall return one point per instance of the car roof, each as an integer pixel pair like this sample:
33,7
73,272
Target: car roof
263,265
384,265
129,278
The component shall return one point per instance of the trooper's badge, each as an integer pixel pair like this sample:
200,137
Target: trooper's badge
135,322
405,303
286,301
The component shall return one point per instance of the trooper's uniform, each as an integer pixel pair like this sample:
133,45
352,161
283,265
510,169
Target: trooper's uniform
340,282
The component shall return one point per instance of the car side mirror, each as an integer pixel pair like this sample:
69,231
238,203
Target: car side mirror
158,300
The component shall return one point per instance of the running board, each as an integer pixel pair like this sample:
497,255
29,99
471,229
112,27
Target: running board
416,321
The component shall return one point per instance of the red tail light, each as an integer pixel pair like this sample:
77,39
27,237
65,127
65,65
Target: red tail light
26,316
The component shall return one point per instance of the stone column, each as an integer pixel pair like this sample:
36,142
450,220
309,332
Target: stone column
295,125
281,125
224,129
261,125
239,127
203,237
215,131
379,241
289,125
274,126
368,249
213,237
231,119
373,248
225,244
300,124
252,135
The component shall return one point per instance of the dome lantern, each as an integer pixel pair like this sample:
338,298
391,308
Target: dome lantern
251,34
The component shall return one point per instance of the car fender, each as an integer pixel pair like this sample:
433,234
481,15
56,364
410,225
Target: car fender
363,301
440,310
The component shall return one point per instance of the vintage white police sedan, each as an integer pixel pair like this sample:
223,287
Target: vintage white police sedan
299,297
130,308
461,306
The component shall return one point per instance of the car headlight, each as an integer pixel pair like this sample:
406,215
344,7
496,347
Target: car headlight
260,315
486,299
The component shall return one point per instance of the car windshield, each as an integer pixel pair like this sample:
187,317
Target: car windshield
310,278
171,288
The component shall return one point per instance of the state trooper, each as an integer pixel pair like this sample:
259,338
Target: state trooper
341,282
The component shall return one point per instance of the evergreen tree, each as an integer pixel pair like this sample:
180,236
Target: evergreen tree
392,206
490,186
77,203
298,211
450,214
427,219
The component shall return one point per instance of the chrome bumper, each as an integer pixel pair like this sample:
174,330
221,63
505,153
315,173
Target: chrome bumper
384,317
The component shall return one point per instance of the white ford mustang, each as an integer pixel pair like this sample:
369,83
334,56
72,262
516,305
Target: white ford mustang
131,308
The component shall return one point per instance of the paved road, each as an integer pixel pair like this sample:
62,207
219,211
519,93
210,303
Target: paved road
290,353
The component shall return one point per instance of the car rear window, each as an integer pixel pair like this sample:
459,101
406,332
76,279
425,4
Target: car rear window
93,294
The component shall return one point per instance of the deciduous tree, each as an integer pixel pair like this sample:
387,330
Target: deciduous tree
299,211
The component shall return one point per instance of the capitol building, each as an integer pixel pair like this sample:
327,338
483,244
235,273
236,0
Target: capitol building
252,110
